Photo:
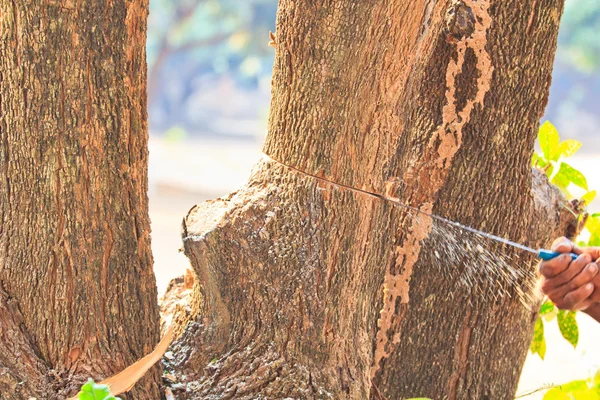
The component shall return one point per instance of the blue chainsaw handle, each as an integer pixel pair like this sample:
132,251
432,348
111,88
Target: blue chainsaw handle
547,255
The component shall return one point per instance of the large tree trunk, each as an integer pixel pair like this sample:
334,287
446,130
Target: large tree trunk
78,295
312,282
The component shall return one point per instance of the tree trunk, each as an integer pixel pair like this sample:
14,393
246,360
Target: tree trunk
77,289
312,281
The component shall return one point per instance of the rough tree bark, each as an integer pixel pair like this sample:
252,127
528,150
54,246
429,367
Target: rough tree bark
78,295
310,283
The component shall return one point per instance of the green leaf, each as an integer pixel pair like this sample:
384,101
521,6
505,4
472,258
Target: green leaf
580,390
568,148
547,307
594,240
568,326
548,311
575,176
549,138
88,386
567,175
538,345
593,226
539,161
593,223
556,394
561,181
95,391
589,197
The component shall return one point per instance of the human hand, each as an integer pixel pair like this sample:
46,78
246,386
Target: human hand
571,284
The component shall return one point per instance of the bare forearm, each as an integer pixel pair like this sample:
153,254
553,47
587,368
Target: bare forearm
594,311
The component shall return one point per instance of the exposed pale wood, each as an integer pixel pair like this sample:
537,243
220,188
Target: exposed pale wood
125,380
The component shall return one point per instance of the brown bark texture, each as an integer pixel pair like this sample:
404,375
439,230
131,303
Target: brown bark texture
78,294
311,281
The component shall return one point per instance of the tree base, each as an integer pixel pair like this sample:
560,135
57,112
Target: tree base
290,271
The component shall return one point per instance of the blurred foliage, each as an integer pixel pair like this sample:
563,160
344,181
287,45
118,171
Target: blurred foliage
196,45
231,36
175,135
220,36
588,389
579,30
575,92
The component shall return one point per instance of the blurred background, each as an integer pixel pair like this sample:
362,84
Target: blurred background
209,74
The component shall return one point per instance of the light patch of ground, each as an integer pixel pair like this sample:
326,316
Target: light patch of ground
183,174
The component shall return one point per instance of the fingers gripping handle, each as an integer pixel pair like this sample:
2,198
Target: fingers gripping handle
549,255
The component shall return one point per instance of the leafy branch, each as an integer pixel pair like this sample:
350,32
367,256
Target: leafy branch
95,391
566,178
